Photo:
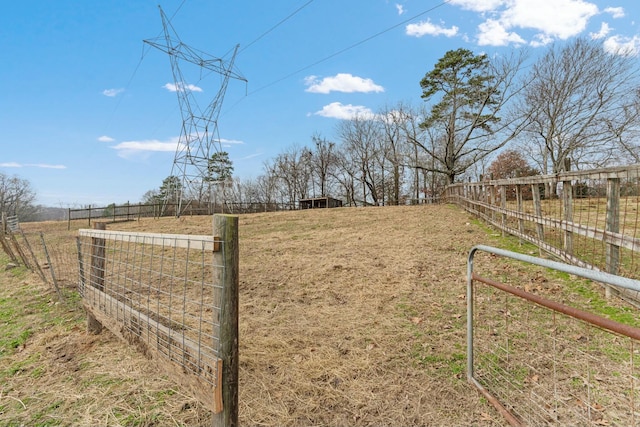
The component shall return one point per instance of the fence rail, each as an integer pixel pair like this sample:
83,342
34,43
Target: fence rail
587,218
174,297
543,362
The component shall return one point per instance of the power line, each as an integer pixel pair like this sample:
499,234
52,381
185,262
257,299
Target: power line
277,25
350,47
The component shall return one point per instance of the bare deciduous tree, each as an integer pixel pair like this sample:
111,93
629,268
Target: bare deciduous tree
395,146
360,137
582,104
323,163
17,197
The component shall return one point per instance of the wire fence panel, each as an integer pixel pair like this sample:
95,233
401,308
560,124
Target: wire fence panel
547,363
163,294
587,218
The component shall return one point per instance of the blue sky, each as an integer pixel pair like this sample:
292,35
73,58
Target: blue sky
89,113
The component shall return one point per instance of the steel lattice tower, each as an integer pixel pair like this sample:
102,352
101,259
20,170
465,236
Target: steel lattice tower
199,137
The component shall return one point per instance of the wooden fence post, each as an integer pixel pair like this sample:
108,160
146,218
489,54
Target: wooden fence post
492,200
567,204
537,209
613,223
503,205
19,250
7,247
520,211
225,228
96,276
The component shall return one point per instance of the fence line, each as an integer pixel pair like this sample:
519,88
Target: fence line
587,218
53,258
542,362
130,212
174,297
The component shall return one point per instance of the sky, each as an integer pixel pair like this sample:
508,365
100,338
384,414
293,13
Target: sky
90,113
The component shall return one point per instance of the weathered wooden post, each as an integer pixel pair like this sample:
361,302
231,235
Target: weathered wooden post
492,200
19,251
520,211
503,206
96,276
7,248
226,233
567,204
612,250
537,210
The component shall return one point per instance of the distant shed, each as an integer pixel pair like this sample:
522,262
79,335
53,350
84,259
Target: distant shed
319,202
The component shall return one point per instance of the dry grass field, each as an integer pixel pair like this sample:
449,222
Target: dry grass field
350,316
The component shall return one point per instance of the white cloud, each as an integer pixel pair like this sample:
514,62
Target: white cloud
616,12
619,45
46,166
494,33
478,5
105,138
337,110
33,165
550,20
143,148
541,40
112,92
129,149
604,30
556,18
171,87
427,28
400,9
230,142
341,82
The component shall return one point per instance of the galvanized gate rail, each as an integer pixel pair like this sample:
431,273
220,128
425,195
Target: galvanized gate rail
590,318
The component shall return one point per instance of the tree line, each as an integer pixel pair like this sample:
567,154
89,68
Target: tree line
576,104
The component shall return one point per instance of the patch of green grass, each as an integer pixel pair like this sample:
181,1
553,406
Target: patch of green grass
103,380
589,292
44,418
454,363
14,332
37,372
19,366
19,272
406,309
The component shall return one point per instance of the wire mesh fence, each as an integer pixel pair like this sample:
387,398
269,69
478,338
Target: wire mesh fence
163,294
588,218
552,364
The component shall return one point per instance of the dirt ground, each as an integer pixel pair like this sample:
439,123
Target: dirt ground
349,316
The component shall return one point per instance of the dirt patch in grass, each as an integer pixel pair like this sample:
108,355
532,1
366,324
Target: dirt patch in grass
350,316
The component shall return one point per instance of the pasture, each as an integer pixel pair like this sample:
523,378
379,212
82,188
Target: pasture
350,316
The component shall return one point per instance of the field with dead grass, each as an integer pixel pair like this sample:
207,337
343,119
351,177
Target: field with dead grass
350,316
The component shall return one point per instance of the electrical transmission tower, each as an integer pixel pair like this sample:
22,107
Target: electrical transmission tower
199,137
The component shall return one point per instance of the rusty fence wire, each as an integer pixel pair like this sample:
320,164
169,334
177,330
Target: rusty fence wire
542,362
